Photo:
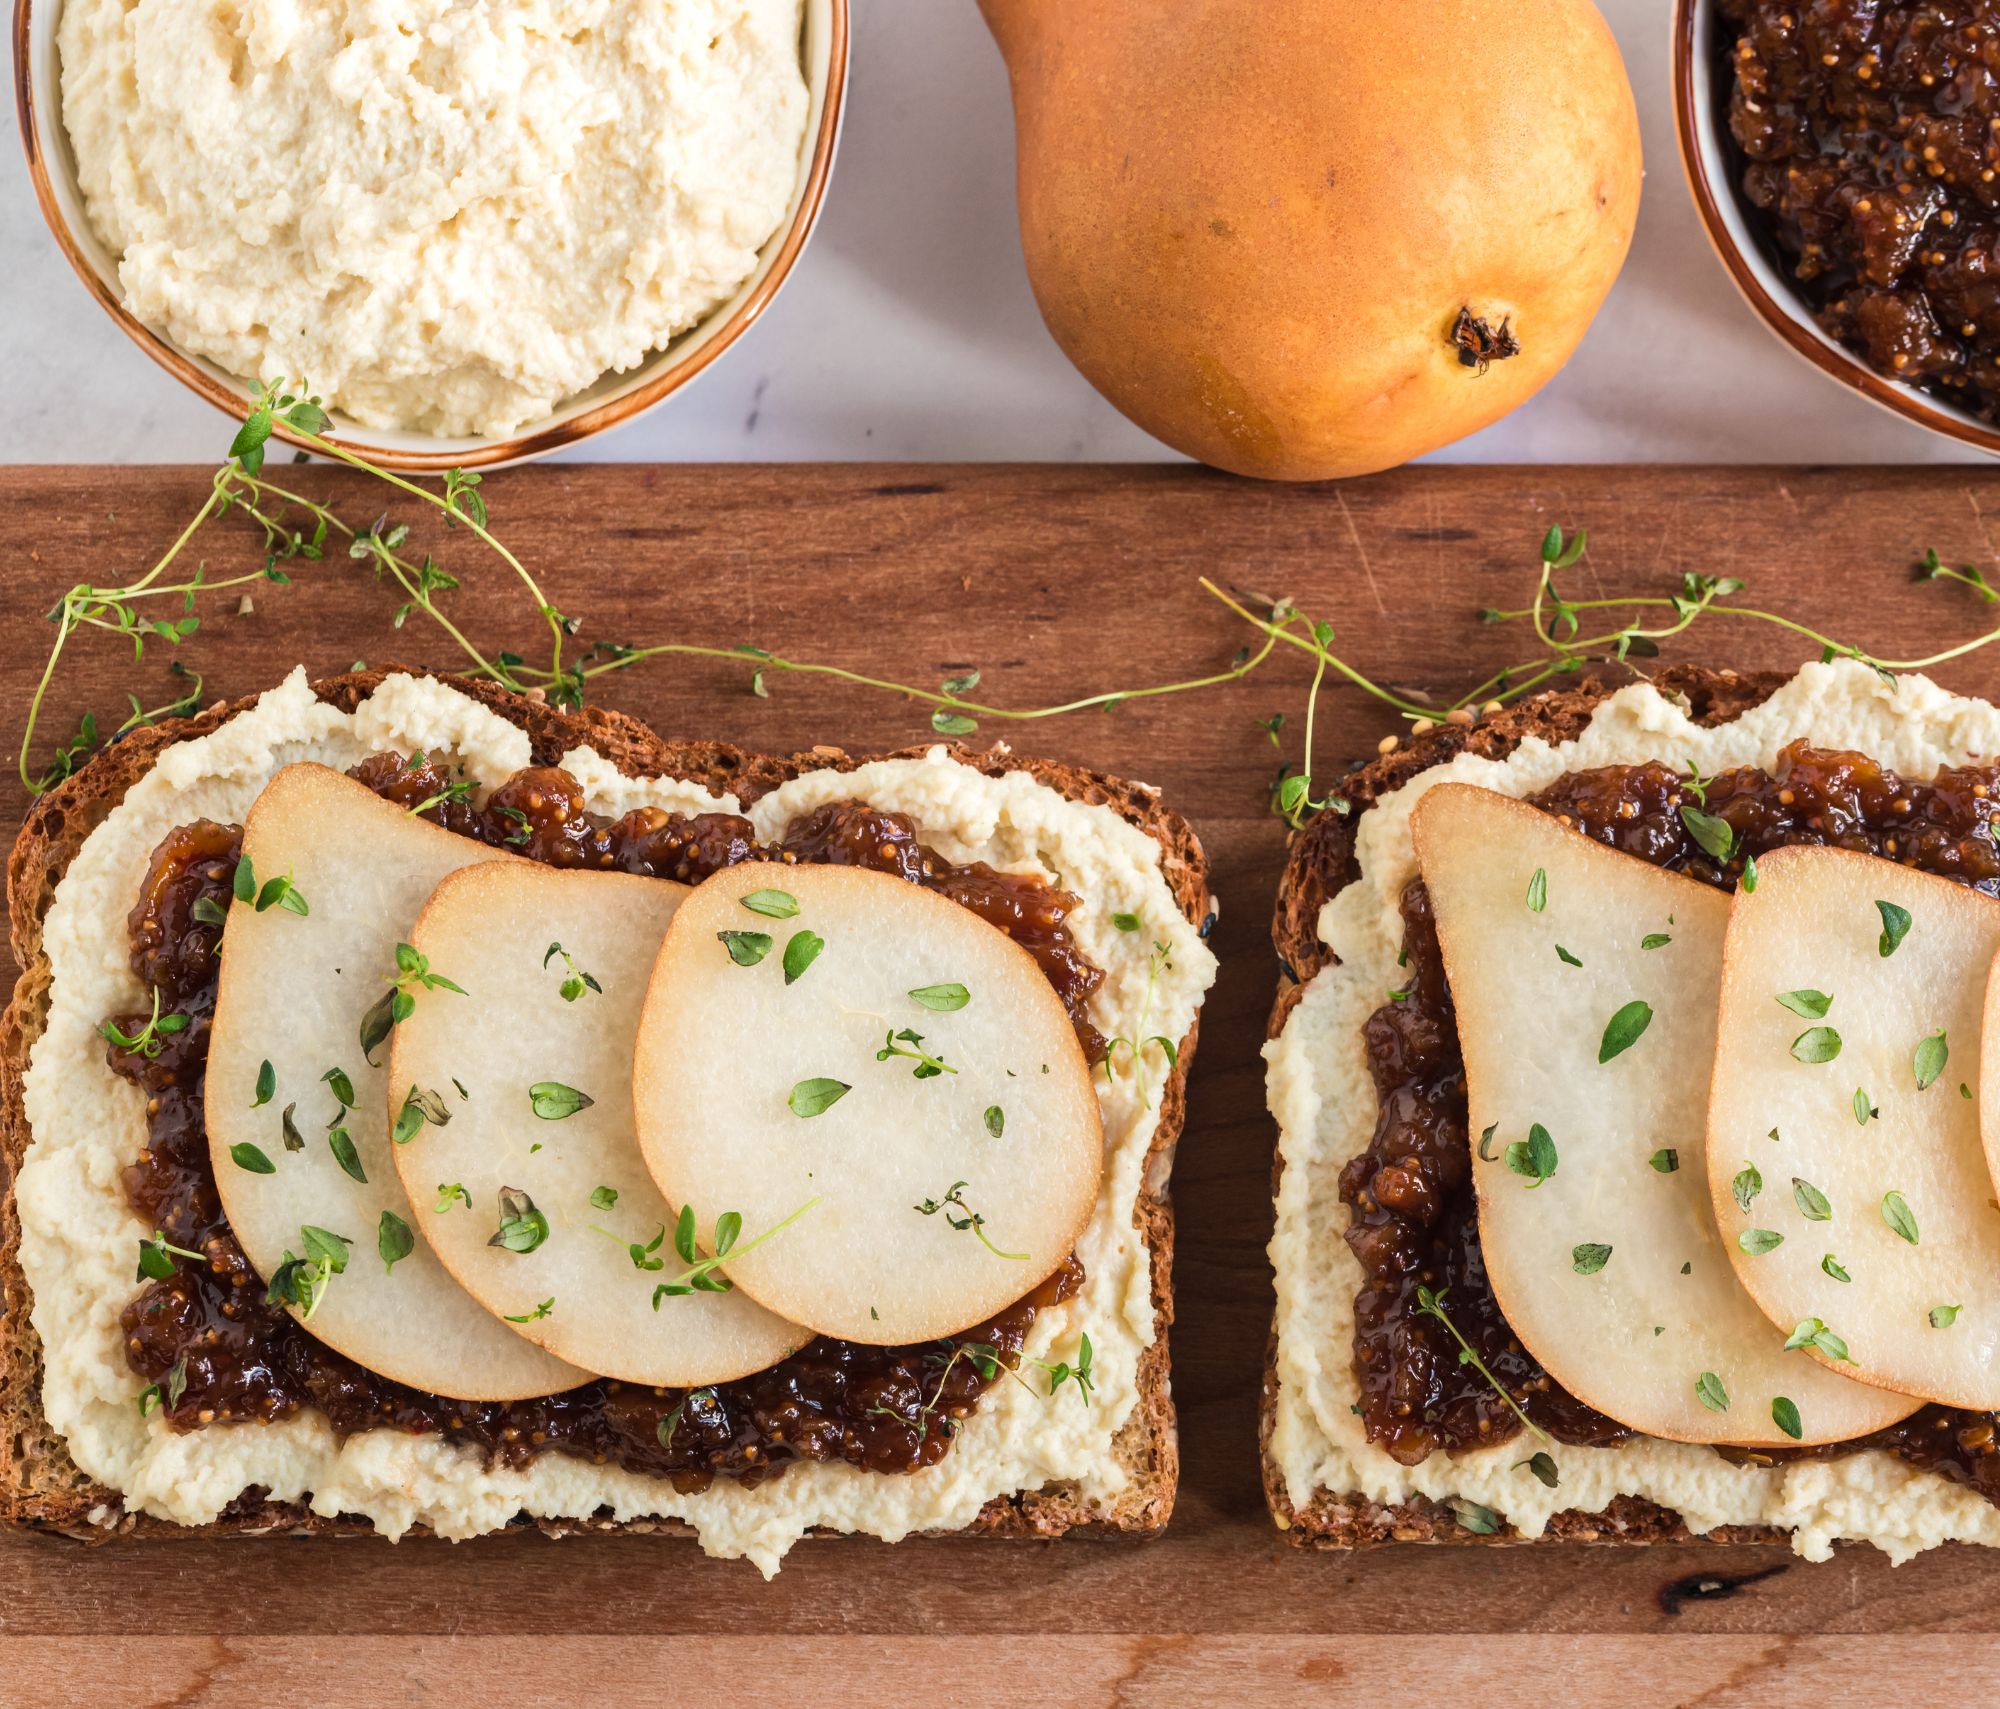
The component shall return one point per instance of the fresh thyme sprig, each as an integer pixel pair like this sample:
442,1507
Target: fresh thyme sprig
297,529
928,1067
991,1363
955,1200
151,1038
704,1275
398,1003
1431,1304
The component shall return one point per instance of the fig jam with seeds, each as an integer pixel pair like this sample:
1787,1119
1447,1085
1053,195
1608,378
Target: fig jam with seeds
1870,131
219,1353
1413,1219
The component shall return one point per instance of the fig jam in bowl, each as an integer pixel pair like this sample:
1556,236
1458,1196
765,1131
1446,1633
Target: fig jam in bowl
516,231
1845,163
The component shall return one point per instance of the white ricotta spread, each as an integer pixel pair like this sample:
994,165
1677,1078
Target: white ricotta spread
446,215
1320,1091
78,1235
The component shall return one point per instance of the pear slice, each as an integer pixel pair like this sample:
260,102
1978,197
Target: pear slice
293,993
1854,1128
1608,1268
563,961
765,1084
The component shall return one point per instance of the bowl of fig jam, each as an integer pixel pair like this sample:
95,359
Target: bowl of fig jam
1845,159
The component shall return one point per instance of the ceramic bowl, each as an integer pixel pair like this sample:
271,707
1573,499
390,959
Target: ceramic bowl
612,401
1701,119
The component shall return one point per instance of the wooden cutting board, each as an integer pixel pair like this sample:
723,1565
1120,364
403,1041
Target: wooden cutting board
1055,582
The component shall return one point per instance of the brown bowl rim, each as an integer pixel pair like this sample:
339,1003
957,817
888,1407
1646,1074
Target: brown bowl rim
521,447
1690,127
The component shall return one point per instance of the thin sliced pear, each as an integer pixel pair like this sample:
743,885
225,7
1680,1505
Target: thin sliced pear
937,1196
583,1292
1546,939
293,993
1855,1128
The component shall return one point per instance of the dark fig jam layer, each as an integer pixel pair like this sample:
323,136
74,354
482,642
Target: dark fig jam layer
1870,136
220,1353
1413,1219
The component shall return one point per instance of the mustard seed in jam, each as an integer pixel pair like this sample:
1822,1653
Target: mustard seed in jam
218,1352
1412,1214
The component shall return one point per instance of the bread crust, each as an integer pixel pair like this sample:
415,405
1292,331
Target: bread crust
1318,865
42,1489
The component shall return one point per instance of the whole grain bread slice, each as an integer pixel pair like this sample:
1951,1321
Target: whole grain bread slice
1319,864
41,1487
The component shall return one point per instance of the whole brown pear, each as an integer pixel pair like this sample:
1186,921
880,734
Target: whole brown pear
1304,239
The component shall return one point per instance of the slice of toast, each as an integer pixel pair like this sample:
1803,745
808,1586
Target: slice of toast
41,1488
1319,864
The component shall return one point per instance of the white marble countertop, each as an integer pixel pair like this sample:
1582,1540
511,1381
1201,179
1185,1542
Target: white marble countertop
907,332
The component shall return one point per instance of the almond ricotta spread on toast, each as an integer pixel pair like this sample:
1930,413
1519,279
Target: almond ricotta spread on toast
1321,1093
78,1233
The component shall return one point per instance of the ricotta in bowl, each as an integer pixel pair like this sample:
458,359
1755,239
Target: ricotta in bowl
443,215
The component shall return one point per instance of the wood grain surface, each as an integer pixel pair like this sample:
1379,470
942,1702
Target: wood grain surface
1055,582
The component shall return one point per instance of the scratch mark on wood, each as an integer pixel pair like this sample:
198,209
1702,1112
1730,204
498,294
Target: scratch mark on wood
1360,551
1979,516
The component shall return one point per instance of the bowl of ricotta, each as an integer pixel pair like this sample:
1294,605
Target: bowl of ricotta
477,230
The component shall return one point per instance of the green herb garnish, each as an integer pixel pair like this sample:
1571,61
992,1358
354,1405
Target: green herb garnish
1811,1332
274,893
522,1226
1929,1060
394,1240
1622,1031
1430,1303
413,974
928,1067
746,949
554,1102
151,1038
419,1105
971,1219
1747,1184
704,1275
812,1097
575,980
156,1257
1534,1157
801,951
247,1156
